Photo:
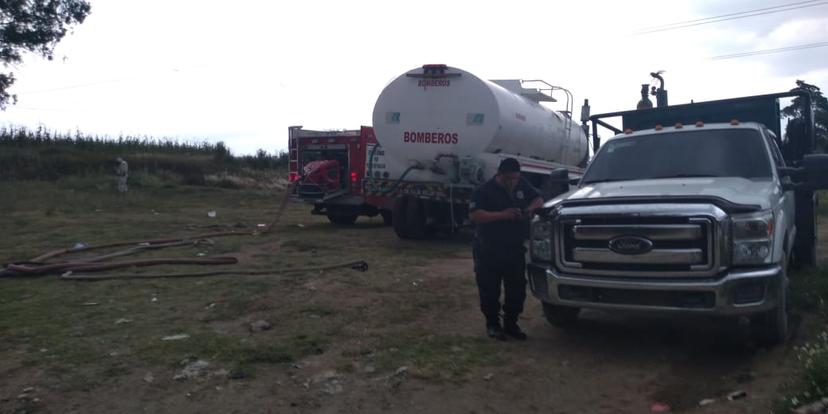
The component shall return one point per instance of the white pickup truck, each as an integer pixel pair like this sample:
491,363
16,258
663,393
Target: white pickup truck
697,218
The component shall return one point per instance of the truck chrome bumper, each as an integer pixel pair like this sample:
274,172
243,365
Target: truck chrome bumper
736,292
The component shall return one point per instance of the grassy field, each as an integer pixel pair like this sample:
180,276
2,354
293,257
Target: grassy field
81,336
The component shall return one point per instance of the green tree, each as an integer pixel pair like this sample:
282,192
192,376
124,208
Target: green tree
33,26
820,108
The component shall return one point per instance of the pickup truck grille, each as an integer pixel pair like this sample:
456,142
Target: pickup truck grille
640,246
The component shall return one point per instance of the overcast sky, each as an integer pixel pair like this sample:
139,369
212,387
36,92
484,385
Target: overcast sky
243,71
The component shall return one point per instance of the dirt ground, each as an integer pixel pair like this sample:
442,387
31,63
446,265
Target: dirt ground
405,336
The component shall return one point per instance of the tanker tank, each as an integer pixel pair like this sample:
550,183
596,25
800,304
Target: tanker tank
434,117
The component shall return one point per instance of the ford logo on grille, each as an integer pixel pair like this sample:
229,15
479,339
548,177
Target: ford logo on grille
630,245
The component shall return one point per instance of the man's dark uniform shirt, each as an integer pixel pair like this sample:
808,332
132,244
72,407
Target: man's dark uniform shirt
503,236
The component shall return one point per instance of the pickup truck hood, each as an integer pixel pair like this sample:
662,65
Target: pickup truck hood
733,189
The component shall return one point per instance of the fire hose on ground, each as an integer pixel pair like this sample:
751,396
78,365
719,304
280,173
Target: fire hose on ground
359,265
39,266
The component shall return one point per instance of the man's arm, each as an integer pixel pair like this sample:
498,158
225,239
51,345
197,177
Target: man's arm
485,216
482,210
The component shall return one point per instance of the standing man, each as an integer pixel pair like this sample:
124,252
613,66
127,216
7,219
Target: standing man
501,209
122,172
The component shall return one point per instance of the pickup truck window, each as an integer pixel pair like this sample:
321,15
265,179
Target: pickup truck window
777,155
701,153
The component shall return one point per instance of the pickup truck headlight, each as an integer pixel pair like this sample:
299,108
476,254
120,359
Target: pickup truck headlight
541,240
753,238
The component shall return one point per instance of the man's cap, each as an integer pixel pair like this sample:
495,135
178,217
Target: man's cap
508,165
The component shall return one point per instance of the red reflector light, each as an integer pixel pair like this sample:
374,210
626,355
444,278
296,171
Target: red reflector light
293,177
354,176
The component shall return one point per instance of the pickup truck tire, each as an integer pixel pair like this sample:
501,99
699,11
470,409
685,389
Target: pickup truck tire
560,316
342,219
771,328
805,256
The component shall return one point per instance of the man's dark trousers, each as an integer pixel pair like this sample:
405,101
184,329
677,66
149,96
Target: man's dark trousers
493,268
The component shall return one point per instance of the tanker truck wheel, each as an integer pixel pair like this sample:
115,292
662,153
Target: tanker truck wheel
415,217
409,218
399,217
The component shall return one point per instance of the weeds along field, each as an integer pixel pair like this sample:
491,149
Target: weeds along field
44,155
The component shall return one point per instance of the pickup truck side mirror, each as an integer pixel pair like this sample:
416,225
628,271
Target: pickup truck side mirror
815,171
557,182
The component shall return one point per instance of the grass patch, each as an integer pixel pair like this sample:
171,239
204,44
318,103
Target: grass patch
437,357
318,310
809,291
813,384
822,201
232,350
303,245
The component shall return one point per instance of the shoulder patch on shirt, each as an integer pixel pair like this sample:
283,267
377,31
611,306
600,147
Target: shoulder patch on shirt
519,194
472,204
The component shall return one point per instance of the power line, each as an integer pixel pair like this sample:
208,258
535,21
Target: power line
724,15
732,16
666,26
770,51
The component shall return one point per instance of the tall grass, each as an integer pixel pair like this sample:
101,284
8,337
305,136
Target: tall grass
45,155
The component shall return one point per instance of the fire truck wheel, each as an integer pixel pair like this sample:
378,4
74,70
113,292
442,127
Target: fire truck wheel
343,219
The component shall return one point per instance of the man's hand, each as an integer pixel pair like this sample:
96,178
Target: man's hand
511,214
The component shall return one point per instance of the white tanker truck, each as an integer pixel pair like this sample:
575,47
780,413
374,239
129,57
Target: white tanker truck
442,132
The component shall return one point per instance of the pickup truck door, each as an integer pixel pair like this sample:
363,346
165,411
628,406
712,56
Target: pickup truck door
787,203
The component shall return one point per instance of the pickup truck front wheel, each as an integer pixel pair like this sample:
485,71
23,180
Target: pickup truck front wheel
771,328
560,316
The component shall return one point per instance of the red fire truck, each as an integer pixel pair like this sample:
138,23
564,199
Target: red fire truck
328,169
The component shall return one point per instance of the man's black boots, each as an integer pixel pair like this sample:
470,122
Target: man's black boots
494,330
511,328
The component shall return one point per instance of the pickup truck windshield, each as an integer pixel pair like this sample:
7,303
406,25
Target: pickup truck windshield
701,153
